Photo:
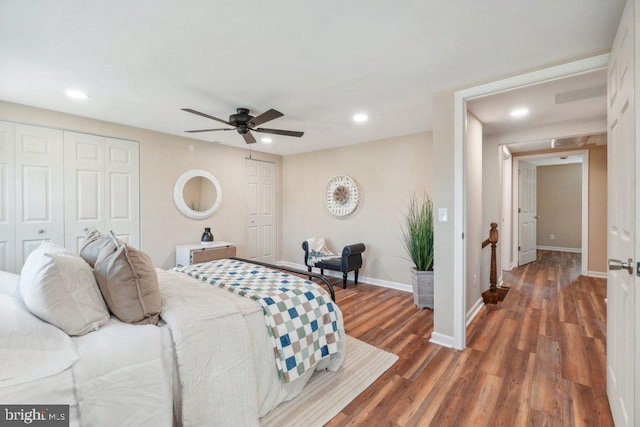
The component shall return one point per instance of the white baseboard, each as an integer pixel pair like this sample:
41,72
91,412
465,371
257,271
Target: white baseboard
500,281
560,249
442,339
474,310
598,274
369,280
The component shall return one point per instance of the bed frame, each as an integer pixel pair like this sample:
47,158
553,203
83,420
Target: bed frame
292,270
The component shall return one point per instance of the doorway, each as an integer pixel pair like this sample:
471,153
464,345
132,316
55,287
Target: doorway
261,210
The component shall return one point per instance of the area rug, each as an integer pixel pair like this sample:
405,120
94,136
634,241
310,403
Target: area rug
327,393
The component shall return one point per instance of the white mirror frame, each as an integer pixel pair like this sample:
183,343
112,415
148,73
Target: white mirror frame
179,199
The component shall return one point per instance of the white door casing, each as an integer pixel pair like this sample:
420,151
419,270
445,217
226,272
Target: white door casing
7,198
621,293
261,210
39,188
527,216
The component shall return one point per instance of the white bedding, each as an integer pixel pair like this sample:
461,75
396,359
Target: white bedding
212,363
224,355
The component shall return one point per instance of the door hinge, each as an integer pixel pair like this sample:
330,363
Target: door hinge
638,269
518,210
463,235
518,248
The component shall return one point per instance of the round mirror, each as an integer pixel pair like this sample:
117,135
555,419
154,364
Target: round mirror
197,194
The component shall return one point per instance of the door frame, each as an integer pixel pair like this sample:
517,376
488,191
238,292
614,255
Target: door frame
585,202
460,213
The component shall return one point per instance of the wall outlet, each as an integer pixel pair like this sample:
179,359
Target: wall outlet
552,236
475,280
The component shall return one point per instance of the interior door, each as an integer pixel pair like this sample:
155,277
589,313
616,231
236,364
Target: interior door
621,294
527,217
39,189
84,187
261,210
7,198
122,183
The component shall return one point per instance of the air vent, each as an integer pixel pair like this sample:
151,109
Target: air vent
576,141
581,94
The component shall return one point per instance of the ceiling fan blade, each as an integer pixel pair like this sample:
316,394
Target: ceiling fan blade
280,132
198,113
265,117
206,130
248,138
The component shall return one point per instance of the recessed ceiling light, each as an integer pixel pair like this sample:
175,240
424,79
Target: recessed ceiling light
519,112
267,140
76,94
360,118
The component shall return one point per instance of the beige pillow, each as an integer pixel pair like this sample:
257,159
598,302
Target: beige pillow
60,288
129,284
94,242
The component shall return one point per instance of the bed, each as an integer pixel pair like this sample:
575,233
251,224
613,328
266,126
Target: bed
209,361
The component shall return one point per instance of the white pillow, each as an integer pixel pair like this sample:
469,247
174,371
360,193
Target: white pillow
9,284
30,349
60,288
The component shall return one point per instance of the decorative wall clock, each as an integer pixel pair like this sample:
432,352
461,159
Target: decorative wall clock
341,195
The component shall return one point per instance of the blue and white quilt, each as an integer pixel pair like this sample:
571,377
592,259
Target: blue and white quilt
301,317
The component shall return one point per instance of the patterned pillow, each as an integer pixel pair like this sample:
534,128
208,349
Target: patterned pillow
129,283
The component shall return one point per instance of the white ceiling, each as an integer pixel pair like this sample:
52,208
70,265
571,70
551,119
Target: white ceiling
576,98
317,62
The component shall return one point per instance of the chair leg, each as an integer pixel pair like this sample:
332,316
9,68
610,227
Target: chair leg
309,270
355,273
322,271
344,280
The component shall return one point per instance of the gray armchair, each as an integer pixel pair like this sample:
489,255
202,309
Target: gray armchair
350,260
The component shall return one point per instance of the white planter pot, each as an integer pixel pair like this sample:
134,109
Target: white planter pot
422,282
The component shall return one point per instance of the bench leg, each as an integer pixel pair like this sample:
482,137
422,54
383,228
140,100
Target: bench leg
344,280
309,270
322,271
355,273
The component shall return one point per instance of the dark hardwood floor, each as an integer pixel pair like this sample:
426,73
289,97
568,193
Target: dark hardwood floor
540,360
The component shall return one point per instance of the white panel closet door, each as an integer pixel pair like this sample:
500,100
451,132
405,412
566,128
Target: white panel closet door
39,189
84,166
261,211
122,183
7,198
527,213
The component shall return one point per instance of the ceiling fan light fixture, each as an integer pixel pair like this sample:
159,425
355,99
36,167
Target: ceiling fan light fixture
267,140
360,118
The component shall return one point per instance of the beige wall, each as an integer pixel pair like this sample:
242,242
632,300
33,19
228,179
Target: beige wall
597,204
598,209
163,158
474,225
387,172
559,206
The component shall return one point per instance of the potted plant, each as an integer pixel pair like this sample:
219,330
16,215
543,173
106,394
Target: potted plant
417,238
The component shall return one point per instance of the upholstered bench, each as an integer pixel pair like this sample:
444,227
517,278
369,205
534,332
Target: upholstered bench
350,260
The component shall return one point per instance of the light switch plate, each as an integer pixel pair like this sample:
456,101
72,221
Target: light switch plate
443,214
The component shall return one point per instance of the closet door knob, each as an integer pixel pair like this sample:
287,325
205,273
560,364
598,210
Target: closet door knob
42,231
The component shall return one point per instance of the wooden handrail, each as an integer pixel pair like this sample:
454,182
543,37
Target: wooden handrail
494,295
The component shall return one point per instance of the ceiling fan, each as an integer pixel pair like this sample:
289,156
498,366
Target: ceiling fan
243,122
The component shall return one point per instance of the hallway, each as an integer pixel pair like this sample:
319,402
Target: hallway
546,366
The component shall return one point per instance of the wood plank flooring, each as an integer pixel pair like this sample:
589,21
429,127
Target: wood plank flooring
539,361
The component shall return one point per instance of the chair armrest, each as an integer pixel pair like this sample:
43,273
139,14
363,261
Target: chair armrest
305,246
355,249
